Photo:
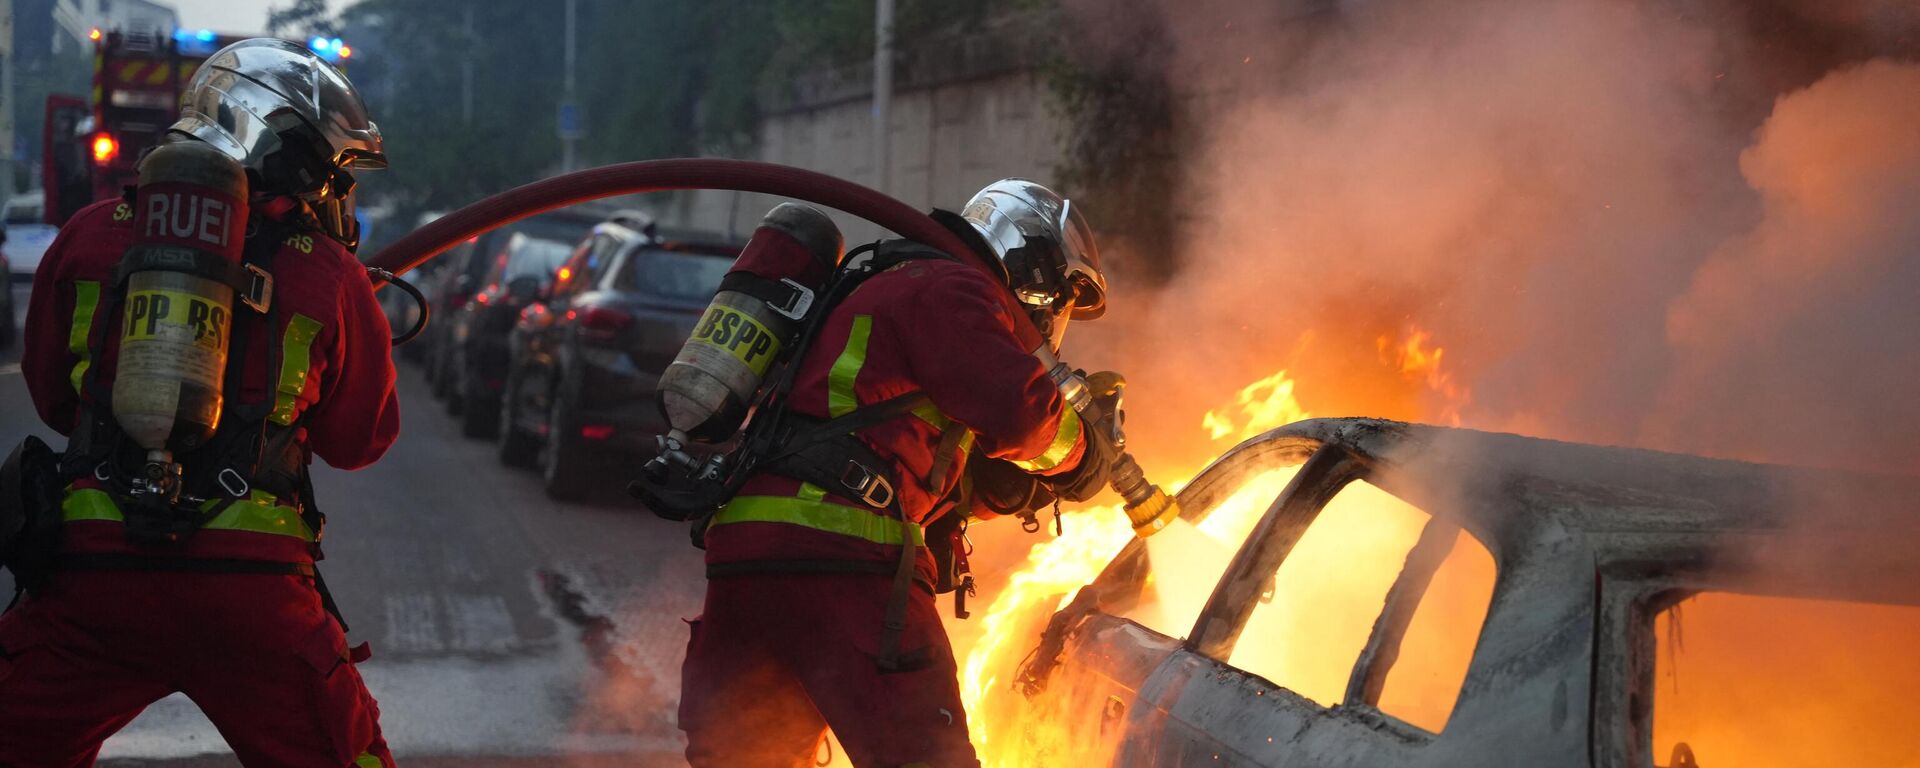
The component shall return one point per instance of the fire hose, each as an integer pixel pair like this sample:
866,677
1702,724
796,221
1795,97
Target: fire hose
1149,507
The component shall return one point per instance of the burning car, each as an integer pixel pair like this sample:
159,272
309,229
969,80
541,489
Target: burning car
1360,592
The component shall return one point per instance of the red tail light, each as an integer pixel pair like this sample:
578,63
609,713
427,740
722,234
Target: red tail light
596,431
605,321
105,147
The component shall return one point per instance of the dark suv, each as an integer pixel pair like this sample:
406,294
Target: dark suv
519,274
466,264
580,389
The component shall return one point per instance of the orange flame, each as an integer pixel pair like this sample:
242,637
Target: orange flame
1414,356
1056,569
1262,405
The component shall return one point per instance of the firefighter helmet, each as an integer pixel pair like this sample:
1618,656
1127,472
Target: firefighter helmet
1047,248
289,117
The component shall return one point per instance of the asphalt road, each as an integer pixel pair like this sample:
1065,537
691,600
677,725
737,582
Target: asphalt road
507,629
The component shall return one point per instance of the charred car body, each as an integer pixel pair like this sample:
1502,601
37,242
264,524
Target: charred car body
1526,611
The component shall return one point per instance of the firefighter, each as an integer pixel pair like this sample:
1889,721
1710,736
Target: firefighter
211,593
820,596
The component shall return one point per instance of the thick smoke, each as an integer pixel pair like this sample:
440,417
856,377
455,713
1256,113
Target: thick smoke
1800,339
1597,208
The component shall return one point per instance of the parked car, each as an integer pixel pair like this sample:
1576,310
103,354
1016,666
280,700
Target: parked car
8,330
521,272
27,234
454,284
1425,596
585,361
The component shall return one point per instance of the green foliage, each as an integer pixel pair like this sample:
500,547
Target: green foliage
664,78
428,61
1123,139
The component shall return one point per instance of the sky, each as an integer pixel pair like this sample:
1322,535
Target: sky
244,16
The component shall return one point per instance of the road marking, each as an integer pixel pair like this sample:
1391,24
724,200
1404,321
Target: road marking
480,624
9,368
412,624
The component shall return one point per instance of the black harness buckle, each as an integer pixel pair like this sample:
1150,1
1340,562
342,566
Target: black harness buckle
259,293
870,487
797,303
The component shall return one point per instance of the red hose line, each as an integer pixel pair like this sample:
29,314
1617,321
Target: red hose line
660,176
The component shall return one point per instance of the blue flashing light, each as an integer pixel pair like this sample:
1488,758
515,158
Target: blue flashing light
200,43
319,44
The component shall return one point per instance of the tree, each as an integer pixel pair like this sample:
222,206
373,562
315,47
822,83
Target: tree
302,17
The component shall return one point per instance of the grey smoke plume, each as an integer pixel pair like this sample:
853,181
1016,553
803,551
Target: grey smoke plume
1597,208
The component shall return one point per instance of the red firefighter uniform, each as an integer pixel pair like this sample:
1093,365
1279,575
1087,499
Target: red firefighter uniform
257,652
777,657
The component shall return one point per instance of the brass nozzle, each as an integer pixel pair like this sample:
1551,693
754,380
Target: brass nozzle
1153,514
1150,508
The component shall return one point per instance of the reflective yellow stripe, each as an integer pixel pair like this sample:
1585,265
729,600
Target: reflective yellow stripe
812,492
89,504
367,760
931,415
86,298
296,360
840,398
818,515
1063,441
257,514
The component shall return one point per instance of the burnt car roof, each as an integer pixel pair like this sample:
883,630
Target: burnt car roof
1827,533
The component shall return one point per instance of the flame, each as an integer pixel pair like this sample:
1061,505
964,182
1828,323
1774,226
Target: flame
1414,357
1262,405
1055,570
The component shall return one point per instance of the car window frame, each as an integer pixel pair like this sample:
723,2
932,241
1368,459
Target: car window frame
1323,476
1124,578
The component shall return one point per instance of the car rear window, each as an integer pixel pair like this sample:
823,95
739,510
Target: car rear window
557,228
672,274
533,257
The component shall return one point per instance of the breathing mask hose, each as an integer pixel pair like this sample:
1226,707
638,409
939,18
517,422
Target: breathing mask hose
661,176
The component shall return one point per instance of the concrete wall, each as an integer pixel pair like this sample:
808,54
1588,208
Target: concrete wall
949,139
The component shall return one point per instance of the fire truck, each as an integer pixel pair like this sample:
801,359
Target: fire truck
92,147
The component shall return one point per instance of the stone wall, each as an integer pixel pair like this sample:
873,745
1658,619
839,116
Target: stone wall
950,137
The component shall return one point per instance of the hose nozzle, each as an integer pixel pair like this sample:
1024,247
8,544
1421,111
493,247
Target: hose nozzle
1149,508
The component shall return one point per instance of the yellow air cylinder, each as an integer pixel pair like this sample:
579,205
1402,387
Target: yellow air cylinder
190,213
760,307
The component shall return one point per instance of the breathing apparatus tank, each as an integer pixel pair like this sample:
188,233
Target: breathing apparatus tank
759,309
190,214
